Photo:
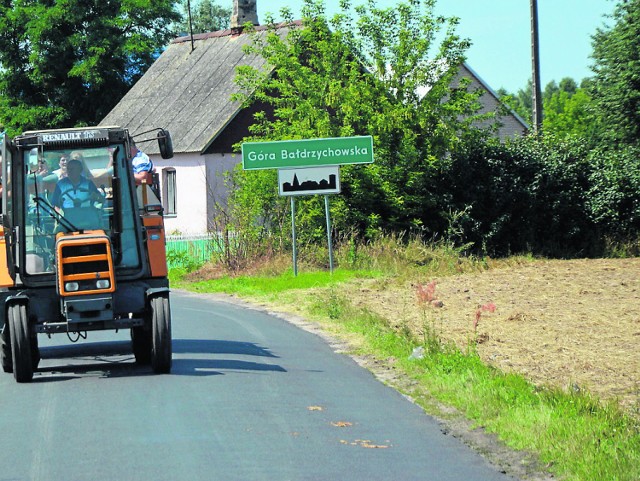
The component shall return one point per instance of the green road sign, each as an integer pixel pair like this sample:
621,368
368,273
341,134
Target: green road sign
307,153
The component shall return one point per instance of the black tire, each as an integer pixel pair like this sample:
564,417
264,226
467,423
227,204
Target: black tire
161,351
20,342
35,352
141,343
5,350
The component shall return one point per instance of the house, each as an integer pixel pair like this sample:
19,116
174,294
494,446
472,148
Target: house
187,91
512,124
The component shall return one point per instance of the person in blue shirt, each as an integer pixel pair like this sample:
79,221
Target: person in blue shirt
75,190
142,165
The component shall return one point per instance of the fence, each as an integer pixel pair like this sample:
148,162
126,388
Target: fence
191,249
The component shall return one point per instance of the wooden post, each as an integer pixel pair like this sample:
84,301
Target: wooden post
535,61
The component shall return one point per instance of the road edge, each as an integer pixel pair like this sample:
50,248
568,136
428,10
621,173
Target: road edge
517,464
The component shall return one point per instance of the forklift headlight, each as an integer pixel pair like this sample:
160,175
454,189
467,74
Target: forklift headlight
71,286
103,284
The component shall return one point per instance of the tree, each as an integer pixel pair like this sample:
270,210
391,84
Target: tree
521,103
567,109
550,89
568,85
615,89
65,64
380,74
568,114
206,16
565,113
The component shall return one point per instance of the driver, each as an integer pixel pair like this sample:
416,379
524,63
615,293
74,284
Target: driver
75,190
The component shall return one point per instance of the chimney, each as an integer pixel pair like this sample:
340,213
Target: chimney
244,11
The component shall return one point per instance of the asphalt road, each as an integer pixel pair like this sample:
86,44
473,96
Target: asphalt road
250,397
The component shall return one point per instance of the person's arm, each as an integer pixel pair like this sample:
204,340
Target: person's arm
142,168
55,198
52,177
95,194
143,176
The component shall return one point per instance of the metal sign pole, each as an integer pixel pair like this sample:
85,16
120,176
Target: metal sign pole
293,236
302,172
326,211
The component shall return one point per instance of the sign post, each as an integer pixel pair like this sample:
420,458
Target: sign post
306,167
329,243
293,236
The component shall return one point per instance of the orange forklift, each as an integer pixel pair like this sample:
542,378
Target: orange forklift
80,256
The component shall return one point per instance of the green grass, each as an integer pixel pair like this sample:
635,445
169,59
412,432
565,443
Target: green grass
268,285
574,435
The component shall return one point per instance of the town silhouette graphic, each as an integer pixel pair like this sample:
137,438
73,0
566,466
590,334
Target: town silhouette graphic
310,185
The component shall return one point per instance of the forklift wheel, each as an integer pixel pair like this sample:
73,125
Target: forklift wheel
5,350
161,335
20,342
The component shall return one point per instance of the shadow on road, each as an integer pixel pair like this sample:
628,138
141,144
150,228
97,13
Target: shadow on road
206,366
91,349
209,367
88,359
213,346
115,359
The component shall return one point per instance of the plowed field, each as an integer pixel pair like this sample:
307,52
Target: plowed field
572,324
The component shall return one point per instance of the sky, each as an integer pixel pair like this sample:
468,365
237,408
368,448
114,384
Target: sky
500,32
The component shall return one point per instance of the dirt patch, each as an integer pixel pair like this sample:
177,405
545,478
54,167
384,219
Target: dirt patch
570,324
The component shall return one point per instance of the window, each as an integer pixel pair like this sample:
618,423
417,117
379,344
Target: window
84,193
169,190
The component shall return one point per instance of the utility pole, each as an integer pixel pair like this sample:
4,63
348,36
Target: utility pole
535,61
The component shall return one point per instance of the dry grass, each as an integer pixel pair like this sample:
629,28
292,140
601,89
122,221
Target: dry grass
268,265
572,324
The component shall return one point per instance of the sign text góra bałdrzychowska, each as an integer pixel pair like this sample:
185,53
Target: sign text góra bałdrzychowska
307,153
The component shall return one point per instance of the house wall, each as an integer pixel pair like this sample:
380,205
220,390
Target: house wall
200,190
511,125
191,192
218,165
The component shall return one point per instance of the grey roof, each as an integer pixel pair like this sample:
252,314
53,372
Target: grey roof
188,92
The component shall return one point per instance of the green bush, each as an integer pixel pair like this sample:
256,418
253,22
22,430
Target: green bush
614,193
548,196
183,260
525,195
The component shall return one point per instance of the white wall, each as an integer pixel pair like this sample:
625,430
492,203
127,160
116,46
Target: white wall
217,166
197,200
191,190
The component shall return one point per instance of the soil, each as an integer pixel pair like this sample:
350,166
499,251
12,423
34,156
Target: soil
572,324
